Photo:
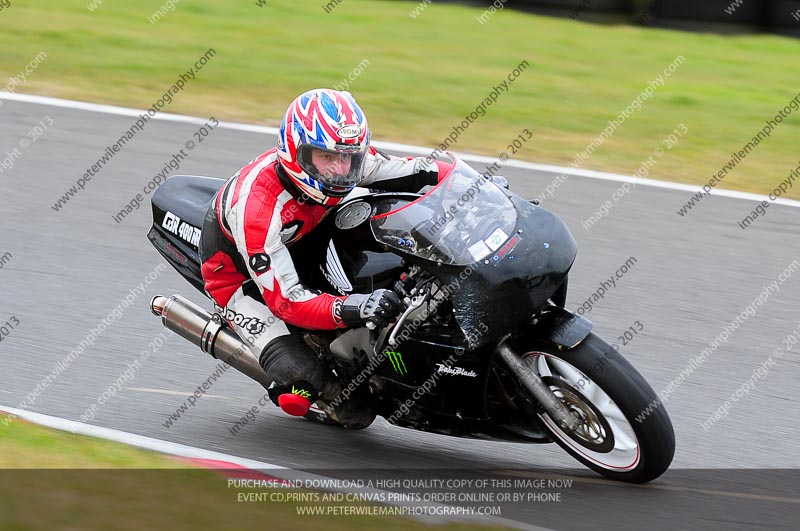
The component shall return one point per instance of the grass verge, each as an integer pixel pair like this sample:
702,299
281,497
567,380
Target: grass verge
55,480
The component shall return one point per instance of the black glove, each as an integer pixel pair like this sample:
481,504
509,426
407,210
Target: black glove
379,308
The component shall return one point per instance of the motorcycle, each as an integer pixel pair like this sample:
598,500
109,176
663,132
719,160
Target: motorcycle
484,348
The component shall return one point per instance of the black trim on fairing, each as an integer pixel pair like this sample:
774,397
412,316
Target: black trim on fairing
410,183
190,198
187,196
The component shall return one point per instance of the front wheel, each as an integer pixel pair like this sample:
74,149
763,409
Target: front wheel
625,433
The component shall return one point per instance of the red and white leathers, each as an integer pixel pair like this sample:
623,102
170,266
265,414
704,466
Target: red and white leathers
258,213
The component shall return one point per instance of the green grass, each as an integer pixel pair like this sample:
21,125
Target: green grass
425,74
81,483
25,445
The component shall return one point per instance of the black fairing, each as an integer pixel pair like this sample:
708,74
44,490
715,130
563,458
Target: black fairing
176,236
375,270
487,303
487,296
536,265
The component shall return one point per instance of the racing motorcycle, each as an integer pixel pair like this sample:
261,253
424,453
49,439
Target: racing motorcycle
484,348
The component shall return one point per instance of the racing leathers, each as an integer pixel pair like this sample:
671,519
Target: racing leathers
254,220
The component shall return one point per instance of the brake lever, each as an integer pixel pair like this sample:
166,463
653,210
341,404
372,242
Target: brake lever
416,303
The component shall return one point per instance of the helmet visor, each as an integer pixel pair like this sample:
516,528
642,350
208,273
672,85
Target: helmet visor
340,168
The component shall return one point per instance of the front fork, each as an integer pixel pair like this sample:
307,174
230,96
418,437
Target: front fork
563,329
524,369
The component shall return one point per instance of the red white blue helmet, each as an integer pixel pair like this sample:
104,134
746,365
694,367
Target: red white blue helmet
324,123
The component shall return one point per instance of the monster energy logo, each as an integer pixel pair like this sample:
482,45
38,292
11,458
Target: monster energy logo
397,362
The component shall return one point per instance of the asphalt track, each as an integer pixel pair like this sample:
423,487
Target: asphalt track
693,275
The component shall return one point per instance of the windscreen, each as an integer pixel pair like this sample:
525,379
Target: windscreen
462,220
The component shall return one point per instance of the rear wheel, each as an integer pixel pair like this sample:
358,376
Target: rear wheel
625,433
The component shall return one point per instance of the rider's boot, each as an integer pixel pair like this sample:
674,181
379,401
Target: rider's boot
300,381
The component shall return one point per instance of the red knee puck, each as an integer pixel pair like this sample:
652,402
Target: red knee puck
294,405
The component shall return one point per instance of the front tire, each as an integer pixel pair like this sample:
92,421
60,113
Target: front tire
625,433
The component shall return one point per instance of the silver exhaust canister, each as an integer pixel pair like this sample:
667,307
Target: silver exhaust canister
208,332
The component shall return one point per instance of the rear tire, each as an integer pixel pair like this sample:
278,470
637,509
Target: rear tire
626,434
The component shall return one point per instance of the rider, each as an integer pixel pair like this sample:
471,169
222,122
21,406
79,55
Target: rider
323,152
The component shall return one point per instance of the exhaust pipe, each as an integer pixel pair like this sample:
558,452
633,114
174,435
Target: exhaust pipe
208,332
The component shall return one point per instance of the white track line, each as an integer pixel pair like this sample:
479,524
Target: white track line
419,150
281,472
168,392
